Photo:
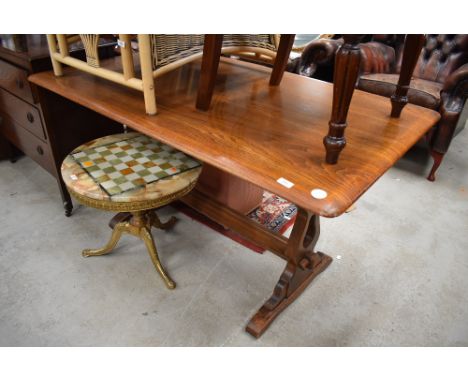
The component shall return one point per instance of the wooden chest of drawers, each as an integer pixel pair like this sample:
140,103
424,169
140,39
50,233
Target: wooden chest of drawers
23,122
15,80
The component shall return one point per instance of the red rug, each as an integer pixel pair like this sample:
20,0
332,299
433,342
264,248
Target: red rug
275,213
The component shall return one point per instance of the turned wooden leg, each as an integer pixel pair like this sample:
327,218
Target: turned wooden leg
10,150
68,207
411,52
304,264
66,198
209,69
347,61
282,57
437,161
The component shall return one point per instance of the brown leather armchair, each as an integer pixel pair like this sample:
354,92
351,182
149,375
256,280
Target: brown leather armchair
440,79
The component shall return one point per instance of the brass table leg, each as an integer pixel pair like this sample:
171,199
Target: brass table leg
139,225
116,235
145,235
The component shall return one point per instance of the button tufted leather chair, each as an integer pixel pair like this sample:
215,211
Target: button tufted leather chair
440,79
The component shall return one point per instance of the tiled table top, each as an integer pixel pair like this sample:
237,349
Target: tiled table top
128,167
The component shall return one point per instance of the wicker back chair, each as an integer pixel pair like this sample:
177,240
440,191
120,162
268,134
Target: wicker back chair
158,54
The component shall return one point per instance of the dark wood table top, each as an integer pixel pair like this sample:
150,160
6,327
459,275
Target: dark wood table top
261,133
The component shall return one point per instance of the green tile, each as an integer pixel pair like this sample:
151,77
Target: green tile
159,153
108,170
120,180
114,190
143,173
161,174
102,179
105,153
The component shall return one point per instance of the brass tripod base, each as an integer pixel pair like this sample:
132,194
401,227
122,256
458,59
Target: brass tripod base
138,225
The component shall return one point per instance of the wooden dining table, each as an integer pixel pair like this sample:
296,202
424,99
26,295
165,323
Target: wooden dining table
269,136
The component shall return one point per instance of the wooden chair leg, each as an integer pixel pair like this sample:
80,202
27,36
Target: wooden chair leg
209,69
146,65
437,161
347,61
282,57
66,198
56,65
11,152
411,52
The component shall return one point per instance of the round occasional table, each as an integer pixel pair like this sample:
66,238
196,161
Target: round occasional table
131,174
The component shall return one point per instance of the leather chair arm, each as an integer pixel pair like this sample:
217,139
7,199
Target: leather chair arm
320,52
455,90
319,55
453,94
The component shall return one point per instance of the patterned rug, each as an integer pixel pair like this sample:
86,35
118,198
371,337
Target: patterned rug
275,214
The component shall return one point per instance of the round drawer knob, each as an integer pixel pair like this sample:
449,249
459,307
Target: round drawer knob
20,83
40,150
30,117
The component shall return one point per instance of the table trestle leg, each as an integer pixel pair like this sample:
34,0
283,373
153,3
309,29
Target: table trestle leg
304,264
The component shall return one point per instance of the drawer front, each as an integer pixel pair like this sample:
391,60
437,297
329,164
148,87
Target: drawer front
32,146
15,80
22,112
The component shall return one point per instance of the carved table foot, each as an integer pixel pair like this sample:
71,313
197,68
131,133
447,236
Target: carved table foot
292,282
304,264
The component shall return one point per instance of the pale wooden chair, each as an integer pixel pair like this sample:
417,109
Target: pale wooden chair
157,54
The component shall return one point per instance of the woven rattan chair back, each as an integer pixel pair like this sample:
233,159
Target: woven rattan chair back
157,53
